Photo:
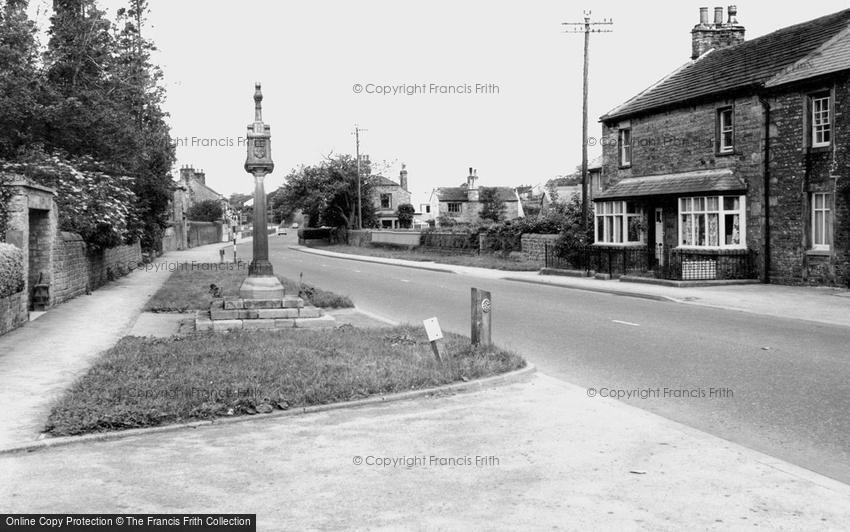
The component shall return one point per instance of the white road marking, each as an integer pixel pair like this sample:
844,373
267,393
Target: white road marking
627,323
357,271
404,280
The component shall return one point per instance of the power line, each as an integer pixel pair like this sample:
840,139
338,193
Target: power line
587,27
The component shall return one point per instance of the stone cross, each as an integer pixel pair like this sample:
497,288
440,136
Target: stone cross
261,282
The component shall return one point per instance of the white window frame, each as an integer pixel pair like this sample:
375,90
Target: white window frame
825,222
458,205
698,207
723,128
616,220
821,121
624,144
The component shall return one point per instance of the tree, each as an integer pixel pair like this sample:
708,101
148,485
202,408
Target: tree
405,215
19,77
206,211
492,204
327,193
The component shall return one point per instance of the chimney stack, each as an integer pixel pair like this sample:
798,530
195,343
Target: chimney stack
717,35
402,177
471,188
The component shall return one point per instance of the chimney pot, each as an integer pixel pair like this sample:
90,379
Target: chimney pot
470,170
718,16
703,16
733,14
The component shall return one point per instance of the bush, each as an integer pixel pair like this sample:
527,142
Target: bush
314,233
11,270
206,211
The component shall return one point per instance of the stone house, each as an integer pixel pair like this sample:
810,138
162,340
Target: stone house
463,204
190,190
741,152
387,195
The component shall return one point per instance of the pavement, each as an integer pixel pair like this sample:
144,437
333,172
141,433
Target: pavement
534,454
40,360
817,304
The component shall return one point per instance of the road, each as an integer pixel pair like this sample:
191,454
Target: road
775,385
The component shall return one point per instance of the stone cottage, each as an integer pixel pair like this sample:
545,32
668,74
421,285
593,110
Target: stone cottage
738,155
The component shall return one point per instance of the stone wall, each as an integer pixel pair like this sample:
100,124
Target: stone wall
796,172
359,237
203,233
534,246
13,312
397,238
78,270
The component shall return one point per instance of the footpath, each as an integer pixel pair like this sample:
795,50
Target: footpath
43,358
818,304
534,454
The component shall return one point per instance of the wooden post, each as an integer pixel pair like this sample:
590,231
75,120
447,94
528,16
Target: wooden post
481,317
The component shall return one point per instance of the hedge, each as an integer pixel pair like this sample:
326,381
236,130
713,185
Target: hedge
11,270
313,233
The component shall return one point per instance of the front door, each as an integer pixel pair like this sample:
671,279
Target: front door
659,236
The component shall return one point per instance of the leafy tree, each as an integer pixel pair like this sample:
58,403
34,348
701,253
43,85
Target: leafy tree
405,215
19,77
492,205
327,193
206,211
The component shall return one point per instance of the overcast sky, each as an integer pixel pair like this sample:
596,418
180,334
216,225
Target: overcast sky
309,55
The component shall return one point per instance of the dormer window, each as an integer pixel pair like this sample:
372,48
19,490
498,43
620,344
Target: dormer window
725,130
821,121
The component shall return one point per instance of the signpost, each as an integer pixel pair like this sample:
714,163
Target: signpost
432,329
482,307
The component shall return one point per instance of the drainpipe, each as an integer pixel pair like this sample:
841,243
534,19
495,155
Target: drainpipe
766,105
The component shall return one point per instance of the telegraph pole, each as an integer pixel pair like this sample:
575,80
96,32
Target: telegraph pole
357,130
587,27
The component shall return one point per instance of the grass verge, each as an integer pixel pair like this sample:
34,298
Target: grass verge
479,261
144,382
188,288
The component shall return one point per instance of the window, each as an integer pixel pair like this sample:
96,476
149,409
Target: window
619,222
821,221
821,125
725,131
454,208
624,143
427,209
386,201
712,222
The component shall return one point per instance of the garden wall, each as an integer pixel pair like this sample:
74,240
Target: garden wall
397,238
534,246
13,311
203,233
78,270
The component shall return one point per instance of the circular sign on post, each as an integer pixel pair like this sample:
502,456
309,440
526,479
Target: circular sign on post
485,305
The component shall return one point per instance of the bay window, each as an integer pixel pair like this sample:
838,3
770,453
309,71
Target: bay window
619,222
712,222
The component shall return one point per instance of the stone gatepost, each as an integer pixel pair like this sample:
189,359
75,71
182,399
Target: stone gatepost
33,226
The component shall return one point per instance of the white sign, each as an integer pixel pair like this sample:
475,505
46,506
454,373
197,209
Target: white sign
432,329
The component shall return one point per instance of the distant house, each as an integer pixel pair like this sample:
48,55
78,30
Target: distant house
463,204
566,191
387,195
737,159
190,190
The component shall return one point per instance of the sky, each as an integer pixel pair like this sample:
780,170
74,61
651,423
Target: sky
492,85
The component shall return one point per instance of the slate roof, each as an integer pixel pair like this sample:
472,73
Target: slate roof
459,193
682,183
752,64
381,181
